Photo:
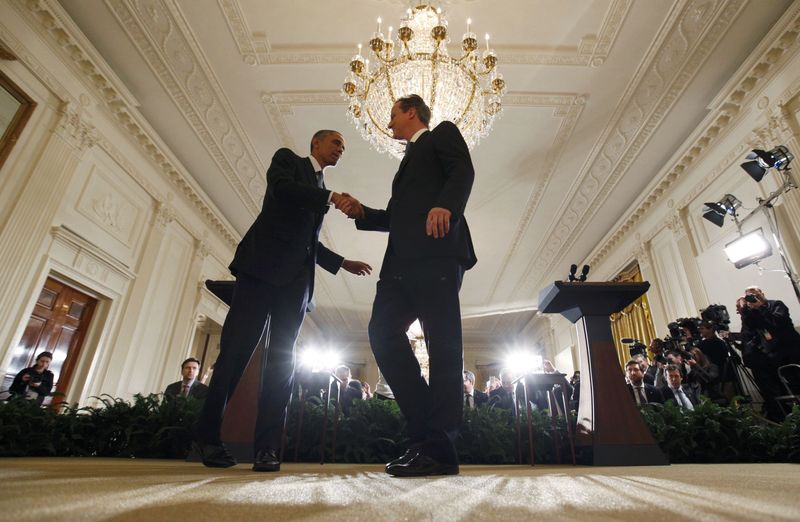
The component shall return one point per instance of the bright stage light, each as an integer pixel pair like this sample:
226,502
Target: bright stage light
317,360
748,249
524,362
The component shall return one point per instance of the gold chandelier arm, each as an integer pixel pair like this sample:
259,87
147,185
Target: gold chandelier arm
389,84
468,105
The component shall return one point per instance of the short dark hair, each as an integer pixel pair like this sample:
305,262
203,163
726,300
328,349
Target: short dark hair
674,368
49,355
190,359
319,135
470,376
632,362
414,101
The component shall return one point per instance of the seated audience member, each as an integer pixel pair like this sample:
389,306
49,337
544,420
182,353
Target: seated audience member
703,376
674,358
505,396
472,397
648,370
492,384
682,394
188,386
714,348
36,381
642,393
575,382
350,388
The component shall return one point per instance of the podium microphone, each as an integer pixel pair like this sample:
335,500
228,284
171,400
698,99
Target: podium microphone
572,270
584,273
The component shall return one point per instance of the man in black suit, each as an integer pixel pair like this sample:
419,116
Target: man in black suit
274,269
472,397
683,395
188,386
505,397
429,249
641,392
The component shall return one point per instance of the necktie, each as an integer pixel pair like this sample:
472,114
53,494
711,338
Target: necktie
320,181
185,390
469,401
408,147
641,399
683,399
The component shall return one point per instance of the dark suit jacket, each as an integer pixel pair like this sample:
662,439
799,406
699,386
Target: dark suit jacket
666,391
652,394
436,172
198,390
284,239
478,397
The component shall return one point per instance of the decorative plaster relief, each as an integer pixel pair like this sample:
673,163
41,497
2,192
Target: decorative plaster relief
679,51
108,207
592,51
49,18
725,117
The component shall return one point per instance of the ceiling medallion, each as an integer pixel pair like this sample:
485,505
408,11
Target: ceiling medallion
466,90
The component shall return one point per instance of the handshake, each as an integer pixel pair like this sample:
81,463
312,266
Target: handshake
349,205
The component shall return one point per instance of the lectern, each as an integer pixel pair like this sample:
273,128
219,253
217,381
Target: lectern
239,422
610,429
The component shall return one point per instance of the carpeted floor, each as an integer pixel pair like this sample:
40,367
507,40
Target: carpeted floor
45,489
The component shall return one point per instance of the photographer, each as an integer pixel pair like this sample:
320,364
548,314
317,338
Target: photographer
35,382
769,341
703,376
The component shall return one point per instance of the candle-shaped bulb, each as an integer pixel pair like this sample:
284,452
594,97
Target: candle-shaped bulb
487,41
379,24
359,48
390,33
469,23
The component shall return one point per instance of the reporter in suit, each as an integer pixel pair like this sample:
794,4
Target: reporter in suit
274,269
641,392
429,249
188,386
683,395
472,397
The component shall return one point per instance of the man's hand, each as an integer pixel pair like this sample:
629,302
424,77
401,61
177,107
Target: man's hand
356,267
26,377
438,223
35,384
349,205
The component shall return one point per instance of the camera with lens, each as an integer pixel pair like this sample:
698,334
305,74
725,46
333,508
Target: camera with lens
35,377
635,346
750,298
718,316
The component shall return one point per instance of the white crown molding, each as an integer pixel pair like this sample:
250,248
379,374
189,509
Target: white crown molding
159,31
692,30
590,51
50,20
781,43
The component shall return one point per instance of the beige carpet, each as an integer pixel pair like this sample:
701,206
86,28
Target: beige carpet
44,489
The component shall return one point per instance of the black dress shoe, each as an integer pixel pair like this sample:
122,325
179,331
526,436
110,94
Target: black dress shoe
267,460
422,465
215,455
410,453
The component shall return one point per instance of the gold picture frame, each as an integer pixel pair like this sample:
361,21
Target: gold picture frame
16,108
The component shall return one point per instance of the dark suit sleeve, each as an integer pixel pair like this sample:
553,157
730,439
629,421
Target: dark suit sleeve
453,155
172,390
376,220
283,185
199,390
328,259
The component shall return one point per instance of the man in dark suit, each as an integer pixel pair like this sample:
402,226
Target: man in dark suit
641,392
429,249
505,397
274,269
188,386
683,395
472,397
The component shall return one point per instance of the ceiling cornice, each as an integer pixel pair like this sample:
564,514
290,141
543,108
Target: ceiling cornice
782,42
689,35
591,50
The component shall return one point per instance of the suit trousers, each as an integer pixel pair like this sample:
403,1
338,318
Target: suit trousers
257,308
424,289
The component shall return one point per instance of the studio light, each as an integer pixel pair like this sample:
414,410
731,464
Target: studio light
317,360
761,161
715,212
524,362
748,249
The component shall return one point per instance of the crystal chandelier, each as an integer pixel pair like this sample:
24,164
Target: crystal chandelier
465,90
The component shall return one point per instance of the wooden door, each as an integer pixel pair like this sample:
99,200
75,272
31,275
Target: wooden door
58,324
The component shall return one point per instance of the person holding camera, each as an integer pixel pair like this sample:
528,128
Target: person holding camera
769,341
34,382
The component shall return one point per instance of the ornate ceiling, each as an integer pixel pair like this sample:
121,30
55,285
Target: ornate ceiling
601,95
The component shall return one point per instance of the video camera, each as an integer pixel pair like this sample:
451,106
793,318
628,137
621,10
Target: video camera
635,346
718,316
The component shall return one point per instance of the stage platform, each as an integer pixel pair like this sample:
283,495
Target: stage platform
48,489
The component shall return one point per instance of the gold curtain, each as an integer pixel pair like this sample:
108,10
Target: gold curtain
634,320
